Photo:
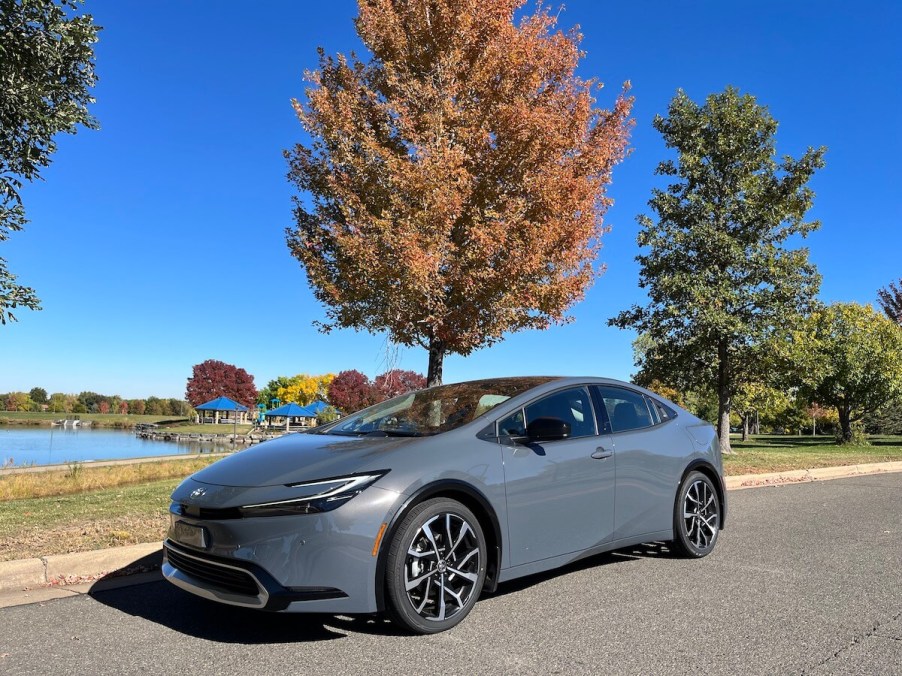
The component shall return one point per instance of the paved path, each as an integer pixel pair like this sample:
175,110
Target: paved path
807,579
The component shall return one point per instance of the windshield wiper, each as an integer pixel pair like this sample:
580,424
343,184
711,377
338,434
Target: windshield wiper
373,433
393,433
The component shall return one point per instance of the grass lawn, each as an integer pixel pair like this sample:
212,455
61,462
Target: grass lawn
88,508
782,453
85,508
84,521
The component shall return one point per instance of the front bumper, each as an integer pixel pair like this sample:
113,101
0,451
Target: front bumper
306,563
237,583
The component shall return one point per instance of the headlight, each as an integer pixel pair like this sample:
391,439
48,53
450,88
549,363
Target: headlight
321,496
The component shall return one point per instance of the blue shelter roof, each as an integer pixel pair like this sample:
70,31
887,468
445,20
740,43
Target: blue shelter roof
293,410
290,410
221,404
316,407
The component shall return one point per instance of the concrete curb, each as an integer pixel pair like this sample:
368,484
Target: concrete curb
38,576
63,569
807,475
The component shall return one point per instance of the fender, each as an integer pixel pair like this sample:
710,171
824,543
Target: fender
451,488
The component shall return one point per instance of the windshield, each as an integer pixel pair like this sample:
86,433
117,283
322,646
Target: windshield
435,410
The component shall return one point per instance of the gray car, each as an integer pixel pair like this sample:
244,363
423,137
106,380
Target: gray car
415,506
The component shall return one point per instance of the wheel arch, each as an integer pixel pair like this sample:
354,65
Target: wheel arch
709,471
473,500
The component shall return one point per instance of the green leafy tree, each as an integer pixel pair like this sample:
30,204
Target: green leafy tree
46,72
90,400
717,270
156,406
60,403
847,356
38,395
271,391
179,407
327,415
888,420
457,180
753,400
789,413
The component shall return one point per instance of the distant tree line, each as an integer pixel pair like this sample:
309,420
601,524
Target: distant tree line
92,402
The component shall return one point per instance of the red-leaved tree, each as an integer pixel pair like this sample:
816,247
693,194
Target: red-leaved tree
398,381
213,378
351,391
890,300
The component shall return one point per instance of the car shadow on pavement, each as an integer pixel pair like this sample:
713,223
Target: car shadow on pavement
164,604
643,551
160,602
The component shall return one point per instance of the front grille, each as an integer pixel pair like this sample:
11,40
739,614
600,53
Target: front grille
225,578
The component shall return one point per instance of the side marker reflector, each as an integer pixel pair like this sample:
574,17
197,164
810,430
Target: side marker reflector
379,538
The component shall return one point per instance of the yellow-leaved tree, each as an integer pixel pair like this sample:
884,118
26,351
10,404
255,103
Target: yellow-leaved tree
304,389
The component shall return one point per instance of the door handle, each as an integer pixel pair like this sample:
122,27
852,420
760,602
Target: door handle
601,453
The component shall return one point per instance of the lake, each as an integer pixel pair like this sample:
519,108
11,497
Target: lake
51,445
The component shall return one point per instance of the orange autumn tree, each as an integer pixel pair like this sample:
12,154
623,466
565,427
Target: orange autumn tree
455,184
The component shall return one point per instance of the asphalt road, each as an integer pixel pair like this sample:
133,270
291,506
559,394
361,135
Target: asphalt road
807,579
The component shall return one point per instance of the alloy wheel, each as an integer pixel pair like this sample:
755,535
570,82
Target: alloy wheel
441,567
701,515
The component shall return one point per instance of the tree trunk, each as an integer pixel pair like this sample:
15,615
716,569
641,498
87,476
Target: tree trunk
845,423
745,426
436,357
724,399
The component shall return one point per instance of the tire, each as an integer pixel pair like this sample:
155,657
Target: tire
696,517
436,566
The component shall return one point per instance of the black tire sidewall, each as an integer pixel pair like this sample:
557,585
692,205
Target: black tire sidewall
399,607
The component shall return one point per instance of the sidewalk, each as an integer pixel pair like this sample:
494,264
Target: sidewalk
41,579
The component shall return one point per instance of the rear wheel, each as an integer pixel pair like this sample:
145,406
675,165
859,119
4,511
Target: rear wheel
696,519
436,566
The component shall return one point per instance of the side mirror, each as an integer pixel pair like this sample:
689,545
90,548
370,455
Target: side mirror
547,429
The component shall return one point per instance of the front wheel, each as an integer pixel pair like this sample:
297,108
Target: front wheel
696,518
436,566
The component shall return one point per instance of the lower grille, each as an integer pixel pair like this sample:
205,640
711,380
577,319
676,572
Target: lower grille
223,577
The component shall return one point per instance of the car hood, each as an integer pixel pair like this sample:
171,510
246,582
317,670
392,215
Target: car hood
294,458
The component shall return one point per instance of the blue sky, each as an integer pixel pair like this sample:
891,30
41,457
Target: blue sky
158,241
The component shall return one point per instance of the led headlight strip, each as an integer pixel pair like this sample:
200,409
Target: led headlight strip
334,493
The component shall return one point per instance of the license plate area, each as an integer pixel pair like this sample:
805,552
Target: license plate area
188,534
